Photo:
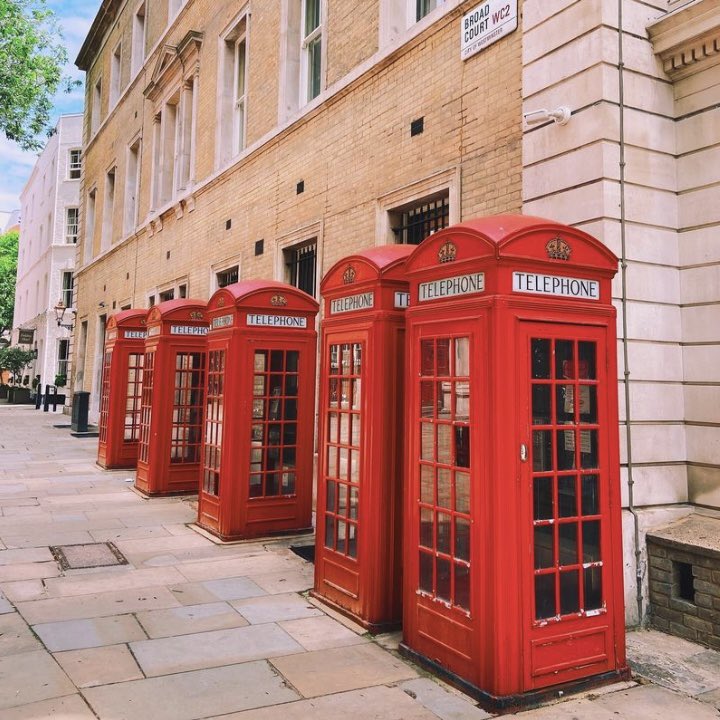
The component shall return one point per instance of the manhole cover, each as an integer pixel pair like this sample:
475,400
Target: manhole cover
90,555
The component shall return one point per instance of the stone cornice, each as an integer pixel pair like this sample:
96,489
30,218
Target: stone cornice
688,39
101,24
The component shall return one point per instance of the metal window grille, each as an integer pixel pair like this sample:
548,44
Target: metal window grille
300,264
228,277
421,221
71,225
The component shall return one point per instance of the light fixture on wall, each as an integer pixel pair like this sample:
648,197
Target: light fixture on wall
560,116
60,310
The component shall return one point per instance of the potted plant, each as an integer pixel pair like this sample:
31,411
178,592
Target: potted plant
60,382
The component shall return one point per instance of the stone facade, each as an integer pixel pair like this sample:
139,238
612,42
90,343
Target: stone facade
47,247
634,166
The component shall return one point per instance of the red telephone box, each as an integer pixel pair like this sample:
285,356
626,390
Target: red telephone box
173,393
119,425
362,372
513,565
258,448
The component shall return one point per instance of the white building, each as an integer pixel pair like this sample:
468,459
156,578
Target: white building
46,257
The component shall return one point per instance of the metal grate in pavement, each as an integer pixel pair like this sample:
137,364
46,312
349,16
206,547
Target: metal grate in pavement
89,555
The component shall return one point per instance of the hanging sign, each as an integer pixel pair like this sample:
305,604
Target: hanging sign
538,284
486,24
284,321
449,287
25,337
351,303
189,329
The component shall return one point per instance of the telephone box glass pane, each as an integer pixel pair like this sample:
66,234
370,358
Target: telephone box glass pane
588,404
544,596
587,353
427,357
146,409
426,572
462,492
565,404
592,579
540,352
565,360
462,357
427,484
186,434
543,498
462,539
105,396
541,406
565,450
567,534
542,450
442,569
214,422
444,488
444,454
567,504
462,586
544,546
569,592
591,541
133,400
443,533
426,527
343,442
588,449
590,500
274,430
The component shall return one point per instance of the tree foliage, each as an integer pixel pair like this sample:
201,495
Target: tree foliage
32,57
15,359
8,272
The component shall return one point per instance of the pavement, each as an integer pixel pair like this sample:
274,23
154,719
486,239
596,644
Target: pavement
189,629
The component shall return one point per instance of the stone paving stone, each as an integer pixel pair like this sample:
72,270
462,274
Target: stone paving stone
320,633
5,605
99,666
329,671
168,543
31,571
69,707
24,590
192,593
212,649
376,703
100,582
443,702
15,636
233,588
28,555
190,619
272,608
650,702
712,698
95,632
29,677
237,567
191,695
99,605
284,582
572,709
44,539
139,533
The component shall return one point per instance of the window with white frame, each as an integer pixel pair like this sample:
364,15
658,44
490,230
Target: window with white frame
132,186
185,140
228,276
423,7
90,225
164,160
137,49
166,295
96,106
106,237
301,265
311,48
74,164
63,357
67,289
233,98
396,16
414,222
115,74
72,215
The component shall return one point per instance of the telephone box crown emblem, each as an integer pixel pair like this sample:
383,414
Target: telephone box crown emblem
349,275
558,249
196,315
220,302
278,301
447,252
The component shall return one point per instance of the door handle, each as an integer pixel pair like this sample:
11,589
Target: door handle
523,452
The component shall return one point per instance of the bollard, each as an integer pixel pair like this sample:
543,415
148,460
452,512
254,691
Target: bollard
80,408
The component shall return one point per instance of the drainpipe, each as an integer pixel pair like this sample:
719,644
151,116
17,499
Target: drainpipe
626,361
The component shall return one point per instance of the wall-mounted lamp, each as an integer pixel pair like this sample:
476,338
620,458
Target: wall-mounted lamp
559,116
60,311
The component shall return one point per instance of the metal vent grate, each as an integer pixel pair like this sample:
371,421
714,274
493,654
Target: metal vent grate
89,555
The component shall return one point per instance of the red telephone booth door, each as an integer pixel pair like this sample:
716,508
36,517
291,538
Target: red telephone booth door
570,594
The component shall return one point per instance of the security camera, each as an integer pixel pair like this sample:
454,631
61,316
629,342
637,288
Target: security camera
559,116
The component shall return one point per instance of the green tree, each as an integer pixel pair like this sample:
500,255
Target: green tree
32,57
15,359
8,272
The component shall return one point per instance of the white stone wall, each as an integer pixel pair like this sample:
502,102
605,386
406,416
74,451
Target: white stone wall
44,253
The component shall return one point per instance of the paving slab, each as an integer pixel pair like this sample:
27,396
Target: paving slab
237,567
212,649
69,707
442,701
5,605
272,608
190,619
284,582
348,668
99,666
24,590
15,636
321,633
375,703
44,539
26,555
192,695
233,588
192,594
28,571
650,702
103,581
99,605
116,534
94,632
29,677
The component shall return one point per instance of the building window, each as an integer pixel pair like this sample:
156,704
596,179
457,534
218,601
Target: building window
300,266
185,136
71,225
413,223
174,8
67,289
151,301
74,164
90,225
132,186
115,74
311,49
182,291
95,108
108,211
228,276
63,357
166,295
137,57
233,100
423,7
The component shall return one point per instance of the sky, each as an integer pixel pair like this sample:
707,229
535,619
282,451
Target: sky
75,17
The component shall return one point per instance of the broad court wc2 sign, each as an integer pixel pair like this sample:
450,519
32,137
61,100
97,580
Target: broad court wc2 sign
486,24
